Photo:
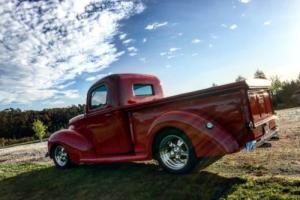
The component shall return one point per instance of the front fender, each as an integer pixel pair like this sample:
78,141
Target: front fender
75,143
207,142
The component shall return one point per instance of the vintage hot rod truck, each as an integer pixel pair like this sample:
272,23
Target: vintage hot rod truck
127,119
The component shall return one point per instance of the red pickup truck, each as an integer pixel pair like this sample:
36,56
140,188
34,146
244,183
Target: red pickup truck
128,119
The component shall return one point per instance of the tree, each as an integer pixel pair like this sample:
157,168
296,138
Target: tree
39,128
259,74
276,84
240,78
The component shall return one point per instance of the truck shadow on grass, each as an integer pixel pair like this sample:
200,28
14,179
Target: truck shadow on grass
116,181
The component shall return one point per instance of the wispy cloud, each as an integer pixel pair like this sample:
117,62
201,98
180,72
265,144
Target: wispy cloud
196,41
245,1
171,53
132,51
122,36
267,23
58,102
173,49
45,45
233,27
156,25
96,77
128,41
144,40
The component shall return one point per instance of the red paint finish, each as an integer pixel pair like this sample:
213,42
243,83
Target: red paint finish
124,129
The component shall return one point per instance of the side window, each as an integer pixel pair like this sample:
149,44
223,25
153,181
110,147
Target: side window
143,90
98,97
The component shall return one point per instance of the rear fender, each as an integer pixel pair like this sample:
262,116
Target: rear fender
207,142
75,143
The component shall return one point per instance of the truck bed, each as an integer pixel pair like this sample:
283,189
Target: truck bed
230,106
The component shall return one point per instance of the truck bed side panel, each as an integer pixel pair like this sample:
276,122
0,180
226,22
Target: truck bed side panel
228,108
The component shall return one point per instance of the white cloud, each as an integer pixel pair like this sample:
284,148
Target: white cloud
132,54
171,53
63,86
196,41
144,40
45,45
156,25
267,23
245,1
233,27
195,54
96,77
128,41
58,102
122,36
173,49
132,49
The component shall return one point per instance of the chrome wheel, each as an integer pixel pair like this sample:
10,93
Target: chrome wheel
174,152
61,156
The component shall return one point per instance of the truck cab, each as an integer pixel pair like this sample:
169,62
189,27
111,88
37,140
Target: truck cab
104,114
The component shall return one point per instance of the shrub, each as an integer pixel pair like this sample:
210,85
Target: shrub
39,128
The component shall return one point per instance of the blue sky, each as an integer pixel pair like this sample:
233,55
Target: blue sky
51,52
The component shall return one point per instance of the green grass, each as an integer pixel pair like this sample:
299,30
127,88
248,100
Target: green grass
136,181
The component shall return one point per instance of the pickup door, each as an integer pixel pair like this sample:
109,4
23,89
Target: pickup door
108,128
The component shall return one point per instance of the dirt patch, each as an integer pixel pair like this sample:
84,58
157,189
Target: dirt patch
24,153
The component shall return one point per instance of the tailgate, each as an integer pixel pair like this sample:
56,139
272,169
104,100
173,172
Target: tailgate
260,105
262,113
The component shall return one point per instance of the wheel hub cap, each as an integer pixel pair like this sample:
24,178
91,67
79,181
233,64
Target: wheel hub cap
60,156
174,152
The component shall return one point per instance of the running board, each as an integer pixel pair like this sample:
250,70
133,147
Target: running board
116,158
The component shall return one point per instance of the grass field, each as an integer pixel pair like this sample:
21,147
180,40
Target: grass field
267,173
137,181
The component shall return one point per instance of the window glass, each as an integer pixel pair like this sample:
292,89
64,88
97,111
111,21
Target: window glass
99,97
143,90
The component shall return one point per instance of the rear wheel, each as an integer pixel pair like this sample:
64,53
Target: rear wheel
61,157
175,152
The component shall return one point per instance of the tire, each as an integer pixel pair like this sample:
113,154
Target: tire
175,152
61,157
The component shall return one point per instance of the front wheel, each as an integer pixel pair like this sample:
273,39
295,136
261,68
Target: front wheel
61,157
175,152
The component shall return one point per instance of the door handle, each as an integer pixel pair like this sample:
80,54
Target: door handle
108,115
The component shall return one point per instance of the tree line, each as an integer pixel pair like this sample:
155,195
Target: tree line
15,124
